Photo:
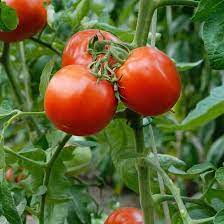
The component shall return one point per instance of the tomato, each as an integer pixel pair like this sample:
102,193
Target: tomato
125,216
9,175
77,103
76,50
32,19
149,83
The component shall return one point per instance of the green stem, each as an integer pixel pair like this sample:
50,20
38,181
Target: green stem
206,220
158,198
26,77
5,60
47,45
47,175
189,3
173,189
146,10
145,193
10,151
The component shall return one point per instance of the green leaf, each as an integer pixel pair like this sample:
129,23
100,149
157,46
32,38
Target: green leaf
8,205
45,77
81,11
213,37
185,66
206,110
205,9
5,109
219,217
215,197
216,152
77,207
8,17
166,161
79,161
201,168
219,175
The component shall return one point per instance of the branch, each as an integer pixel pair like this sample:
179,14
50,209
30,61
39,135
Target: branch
45,44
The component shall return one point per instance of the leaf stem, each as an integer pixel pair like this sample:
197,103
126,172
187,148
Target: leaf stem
10,151
173,189
47,175
45,44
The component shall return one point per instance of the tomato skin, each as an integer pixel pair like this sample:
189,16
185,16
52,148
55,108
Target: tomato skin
77,103
9,176
32,19
149,82
76,50
125,216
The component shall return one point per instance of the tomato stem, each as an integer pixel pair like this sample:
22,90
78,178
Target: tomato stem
47,175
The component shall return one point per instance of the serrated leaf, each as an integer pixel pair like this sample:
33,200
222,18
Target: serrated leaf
213,38
205,9
185,66
45,77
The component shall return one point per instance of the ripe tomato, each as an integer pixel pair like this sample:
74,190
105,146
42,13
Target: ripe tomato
76,50
149,83
32,18
77,103
125,216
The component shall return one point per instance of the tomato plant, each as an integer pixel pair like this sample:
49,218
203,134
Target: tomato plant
32,19
110,104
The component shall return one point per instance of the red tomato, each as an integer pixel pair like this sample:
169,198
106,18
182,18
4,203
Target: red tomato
32,19
77,103
149,82
125,216
76,50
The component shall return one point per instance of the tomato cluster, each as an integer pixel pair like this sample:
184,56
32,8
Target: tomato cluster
32,19
76,101
125,216
80,103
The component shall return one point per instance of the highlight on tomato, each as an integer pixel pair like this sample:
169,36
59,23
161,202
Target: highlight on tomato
32,19
149,83
125,216
78,103
76,50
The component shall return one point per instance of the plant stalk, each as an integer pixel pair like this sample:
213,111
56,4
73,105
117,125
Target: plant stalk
47,175
146,10
145,193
